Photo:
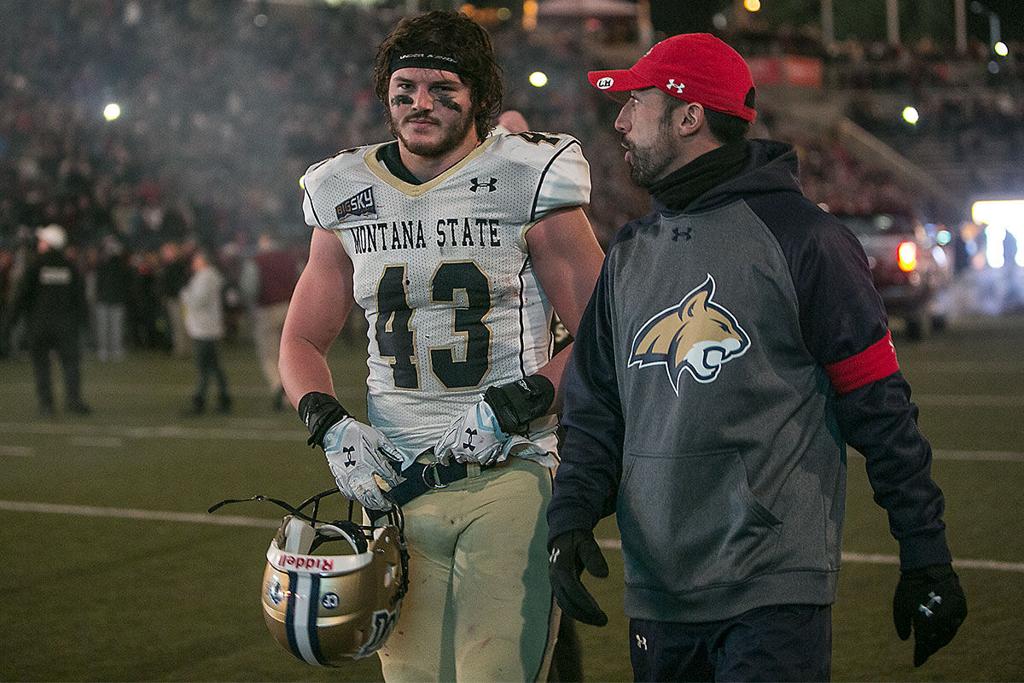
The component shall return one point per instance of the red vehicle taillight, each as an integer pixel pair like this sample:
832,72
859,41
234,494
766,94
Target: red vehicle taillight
906,256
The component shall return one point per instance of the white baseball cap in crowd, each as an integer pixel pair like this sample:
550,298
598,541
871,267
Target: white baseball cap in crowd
53,235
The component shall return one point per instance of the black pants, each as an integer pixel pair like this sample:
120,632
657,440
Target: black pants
208,365
65,342
777,643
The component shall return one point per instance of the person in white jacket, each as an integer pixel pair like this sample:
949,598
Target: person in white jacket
204,322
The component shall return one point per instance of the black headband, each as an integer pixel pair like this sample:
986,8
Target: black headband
422,60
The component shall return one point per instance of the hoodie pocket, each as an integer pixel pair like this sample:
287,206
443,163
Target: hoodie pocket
690,521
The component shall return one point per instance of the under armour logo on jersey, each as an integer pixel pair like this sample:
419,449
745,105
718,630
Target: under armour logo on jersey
678,232
672,85
491,184
348,451
469,444
641,642
555,552
933,602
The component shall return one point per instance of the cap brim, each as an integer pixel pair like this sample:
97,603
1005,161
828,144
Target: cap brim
618,80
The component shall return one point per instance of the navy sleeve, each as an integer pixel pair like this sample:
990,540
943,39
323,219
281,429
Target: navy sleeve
591,455
844,325
880,421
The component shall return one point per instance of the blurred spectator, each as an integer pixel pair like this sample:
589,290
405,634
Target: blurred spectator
204,320
6,292
267,281
145,312
174,275
51,296
113,283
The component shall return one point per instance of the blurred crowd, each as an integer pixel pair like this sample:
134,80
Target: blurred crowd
224,104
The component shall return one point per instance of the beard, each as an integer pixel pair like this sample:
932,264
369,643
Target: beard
648,163
451,138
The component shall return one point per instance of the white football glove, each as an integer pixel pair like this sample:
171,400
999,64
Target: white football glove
355,453
473,437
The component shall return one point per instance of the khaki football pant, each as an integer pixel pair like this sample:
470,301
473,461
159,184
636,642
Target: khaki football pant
479,606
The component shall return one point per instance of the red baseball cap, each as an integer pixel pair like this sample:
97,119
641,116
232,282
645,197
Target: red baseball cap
695,67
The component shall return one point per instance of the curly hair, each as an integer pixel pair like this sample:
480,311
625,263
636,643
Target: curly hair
452,34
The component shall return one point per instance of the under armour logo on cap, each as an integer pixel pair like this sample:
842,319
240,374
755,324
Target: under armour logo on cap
605,83
672,85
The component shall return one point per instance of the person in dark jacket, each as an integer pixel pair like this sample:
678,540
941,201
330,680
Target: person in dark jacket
733,347
113,285
51,296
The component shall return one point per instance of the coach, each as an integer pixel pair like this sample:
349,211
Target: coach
734,345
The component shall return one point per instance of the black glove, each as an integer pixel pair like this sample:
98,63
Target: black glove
518,403
320,412
932,601
571,552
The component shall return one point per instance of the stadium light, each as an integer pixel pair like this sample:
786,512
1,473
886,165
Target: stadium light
538,79
112,111
1001,49
752,5
911,115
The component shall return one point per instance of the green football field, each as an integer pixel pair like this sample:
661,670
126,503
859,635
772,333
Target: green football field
112,570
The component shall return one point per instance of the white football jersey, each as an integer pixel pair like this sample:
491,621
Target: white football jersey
443,274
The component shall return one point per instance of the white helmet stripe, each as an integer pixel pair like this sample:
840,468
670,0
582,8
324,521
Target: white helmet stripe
300,620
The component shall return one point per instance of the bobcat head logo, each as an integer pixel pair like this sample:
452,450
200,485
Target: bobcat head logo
696,335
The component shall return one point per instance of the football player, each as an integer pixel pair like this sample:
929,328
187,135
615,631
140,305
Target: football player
458,240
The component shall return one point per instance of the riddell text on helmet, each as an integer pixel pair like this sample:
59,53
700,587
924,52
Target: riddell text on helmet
285,560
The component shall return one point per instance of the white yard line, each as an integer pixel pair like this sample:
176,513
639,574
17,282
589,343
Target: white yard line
985,456
16,452
867,558
968,400
967,366
183,390
153,432
95,442
237,520
134,514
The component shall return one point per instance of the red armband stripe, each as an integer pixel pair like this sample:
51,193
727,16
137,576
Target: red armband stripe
871,364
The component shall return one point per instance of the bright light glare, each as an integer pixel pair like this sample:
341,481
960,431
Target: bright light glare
999,216
1001,49
911,116
538,79
112,111
944,237
906,256
752,5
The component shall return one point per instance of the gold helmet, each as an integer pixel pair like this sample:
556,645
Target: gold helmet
341,603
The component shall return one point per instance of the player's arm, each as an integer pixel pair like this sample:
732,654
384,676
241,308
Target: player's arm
567,260
319,307
359,456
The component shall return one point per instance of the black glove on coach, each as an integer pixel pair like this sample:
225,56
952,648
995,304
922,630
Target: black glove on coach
571,552
931,600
